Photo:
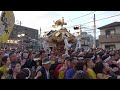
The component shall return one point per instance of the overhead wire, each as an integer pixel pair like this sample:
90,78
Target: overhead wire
87,22
93,21
79,17
75,18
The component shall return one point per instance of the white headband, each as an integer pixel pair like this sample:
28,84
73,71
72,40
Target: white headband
93,57
107,59
36,59
118,61
80,58
46,62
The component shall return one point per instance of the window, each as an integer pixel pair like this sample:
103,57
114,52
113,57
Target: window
88,39
107,32
110,32
110,47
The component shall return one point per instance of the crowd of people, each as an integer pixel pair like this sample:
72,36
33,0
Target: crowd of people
31,64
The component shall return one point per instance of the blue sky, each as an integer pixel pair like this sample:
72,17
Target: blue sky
44,19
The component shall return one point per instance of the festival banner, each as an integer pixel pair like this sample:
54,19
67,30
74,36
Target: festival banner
7,20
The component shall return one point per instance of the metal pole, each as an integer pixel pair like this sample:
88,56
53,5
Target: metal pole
22,41
80,30
21,36
20,23
80,34
94,40
40,32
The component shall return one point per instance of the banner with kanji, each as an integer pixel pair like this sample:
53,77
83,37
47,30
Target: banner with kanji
7,20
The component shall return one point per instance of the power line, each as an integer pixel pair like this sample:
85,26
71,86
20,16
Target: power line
108,17
92,32
81,16
86,22
51,13
75,18
103,18
88,14
78,18
96,20
102,13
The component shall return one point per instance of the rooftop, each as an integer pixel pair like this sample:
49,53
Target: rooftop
50,32
110,25
23,27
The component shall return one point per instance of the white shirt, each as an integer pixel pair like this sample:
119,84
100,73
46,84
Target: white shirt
48,74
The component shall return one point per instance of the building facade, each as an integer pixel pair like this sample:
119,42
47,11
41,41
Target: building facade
29,34
110,36
86,41
97,43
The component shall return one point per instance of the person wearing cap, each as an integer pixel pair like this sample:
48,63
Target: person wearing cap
80,59
44,71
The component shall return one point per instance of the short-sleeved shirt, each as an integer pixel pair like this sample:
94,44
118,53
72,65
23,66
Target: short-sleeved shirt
56,71
30,64
102,76
91,73
4,70
61,75
69,73
9,76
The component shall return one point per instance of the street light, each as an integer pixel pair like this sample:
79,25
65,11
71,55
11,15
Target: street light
21,36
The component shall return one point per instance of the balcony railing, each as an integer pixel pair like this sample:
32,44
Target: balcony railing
109,38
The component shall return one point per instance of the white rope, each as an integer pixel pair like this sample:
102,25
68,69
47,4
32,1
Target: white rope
67,45
78,44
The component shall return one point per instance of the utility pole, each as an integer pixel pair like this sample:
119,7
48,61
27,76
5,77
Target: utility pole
21,37
94,40
40,32
20,23
80,30
80,35
40,40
